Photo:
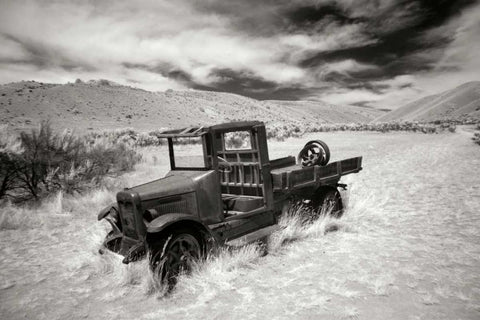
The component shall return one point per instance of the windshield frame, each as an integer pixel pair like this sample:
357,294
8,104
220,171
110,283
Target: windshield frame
171,152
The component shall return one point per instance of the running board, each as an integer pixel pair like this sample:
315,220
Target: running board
253,237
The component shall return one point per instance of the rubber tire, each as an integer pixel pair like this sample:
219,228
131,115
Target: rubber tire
323,145
319,144
164,245
330,197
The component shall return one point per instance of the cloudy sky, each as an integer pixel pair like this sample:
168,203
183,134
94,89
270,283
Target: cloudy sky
379,53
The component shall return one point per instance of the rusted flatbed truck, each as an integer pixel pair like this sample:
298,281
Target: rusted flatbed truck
234,193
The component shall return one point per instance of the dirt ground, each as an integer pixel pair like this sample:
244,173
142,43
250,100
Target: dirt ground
408,247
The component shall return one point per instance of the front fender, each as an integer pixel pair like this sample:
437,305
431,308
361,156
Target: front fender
171,221
165,220
105,211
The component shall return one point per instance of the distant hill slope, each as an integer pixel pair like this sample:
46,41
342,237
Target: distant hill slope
460,103
102,105
328,112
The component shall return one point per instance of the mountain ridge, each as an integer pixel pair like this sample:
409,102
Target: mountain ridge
100,104
459,103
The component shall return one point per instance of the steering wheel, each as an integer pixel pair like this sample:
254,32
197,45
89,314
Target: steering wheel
224,165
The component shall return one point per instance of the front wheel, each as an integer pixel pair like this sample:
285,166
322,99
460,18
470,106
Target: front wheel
174,254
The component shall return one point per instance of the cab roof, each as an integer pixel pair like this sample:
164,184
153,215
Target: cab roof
200,131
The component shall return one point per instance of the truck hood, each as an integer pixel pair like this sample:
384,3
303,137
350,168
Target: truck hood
170,185
175,182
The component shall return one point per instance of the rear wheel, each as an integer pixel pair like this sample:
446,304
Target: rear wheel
174,254
332,204
327,202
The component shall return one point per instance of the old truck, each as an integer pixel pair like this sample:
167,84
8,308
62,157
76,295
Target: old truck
227,193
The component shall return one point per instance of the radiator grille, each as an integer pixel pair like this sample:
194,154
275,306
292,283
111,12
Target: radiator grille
174,206
128,220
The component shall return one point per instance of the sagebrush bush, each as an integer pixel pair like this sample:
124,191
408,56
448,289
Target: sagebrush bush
281,132
237,140
129,136
476,135
9,150
45,162
278,131
476,138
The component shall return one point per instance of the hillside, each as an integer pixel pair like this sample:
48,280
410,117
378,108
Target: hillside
460,103
329,112
103,105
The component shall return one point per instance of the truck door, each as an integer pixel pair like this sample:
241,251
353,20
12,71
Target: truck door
246,185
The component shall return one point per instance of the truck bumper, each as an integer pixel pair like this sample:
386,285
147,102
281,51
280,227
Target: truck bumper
136,250
130,249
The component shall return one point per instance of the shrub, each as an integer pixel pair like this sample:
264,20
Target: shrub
128,136
8,173
103,82
10,147
426,127
476,138
49,162
237,140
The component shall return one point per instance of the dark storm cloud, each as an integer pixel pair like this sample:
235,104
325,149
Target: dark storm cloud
36,53
252,86
396,32
164,69
308,16
43,57
394,49
357,83
343,51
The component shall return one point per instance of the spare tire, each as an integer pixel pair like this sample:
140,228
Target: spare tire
315,152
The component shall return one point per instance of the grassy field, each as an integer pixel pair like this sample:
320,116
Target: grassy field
408,247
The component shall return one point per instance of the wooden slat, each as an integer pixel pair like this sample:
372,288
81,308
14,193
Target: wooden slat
233,184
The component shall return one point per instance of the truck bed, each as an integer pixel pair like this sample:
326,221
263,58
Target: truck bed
295,177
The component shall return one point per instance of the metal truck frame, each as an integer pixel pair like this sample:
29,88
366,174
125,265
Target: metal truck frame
235,197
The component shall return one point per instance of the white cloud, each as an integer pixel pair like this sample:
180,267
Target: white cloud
345,96
332,37
148,33
103,35
348,65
